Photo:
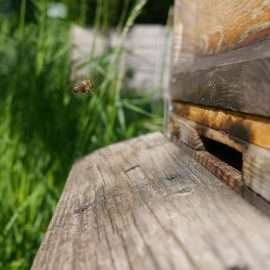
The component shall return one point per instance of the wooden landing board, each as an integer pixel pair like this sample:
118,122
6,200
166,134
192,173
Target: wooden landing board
146,204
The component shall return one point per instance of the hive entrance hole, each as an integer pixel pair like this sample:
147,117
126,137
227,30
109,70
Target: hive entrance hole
224,152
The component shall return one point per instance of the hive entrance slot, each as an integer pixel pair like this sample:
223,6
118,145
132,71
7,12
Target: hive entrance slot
224,152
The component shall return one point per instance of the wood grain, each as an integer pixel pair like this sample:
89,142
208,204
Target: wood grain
237,80
146,204
240,127
221,54
181,130
216,26
184,131
256,170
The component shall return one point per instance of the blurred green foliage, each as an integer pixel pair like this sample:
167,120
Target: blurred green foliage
110,12
44,128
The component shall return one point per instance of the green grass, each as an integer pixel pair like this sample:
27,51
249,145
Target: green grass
44,128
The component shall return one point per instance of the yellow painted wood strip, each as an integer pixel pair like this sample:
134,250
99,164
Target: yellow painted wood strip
246,128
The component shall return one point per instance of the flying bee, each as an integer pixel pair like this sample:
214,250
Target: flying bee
84,87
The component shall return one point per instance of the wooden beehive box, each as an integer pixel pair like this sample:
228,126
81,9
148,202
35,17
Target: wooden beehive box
146,203
220,86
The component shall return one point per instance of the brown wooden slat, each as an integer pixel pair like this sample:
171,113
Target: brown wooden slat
146,204
221,54
256,170
237,80
214,26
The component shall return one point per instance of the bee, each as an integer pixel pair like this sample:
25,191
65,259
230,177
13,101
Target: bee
84,87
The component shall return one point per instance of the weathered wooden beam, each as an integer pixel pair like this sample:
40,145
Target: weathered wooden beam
256,170
146,204
214,26
238,80
221,54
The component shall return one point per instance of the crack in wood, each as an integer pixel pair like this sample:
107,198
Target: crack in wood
83,208
131,168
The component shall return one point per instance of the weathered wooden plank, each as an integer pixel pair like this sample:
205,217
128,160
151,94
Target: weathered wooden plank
256,200
146,204
224,25
255,164
188,133
240,127
237,80
214,26
256,170
221,54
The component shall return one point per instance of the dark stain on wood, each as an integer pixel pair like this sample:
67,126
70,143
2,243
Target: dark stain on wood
82,208
241,128
170,177
237,130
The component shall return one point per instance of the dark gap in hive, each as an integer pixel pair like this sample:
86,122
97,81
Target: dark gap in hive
224,152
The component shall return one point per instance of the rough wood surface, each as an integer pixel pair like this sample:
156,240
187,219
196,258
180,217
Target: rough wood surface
221,54
240,127
238,80
256,160
256,170
146,204
214,26
191,131
184,131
